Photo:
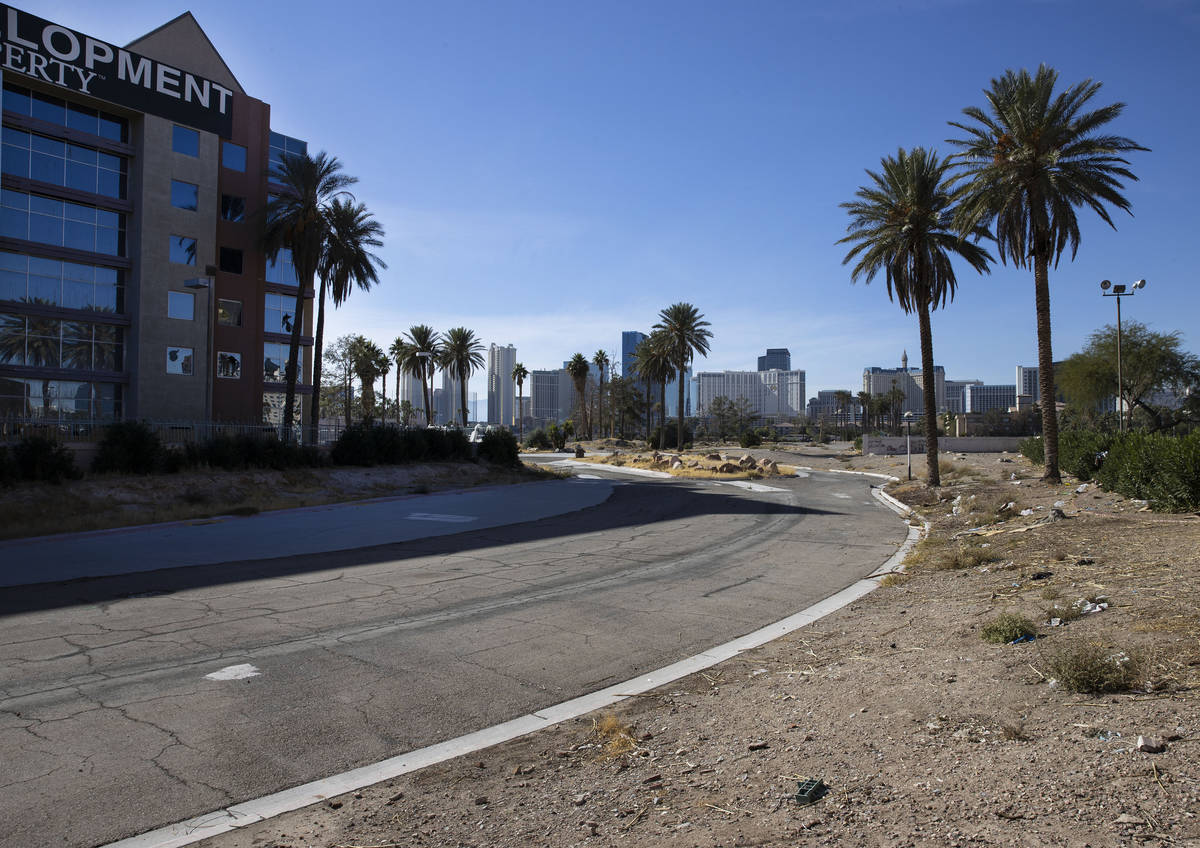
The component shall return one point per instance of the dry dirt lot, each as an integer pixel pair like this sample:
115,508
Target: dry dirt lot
924,733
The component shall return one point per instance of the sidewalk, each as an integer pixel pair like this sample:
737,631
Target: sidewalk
292,532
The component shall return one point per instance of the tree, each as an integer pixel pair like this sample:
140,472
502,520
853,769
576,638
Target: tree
1150,362
902,225
339,356
578,369
520,374
406,412
345,262
401,354
600,360
296,221
865,400
1026,165
844,399
367,360
653,362
688,335
424,352
730,418
462,355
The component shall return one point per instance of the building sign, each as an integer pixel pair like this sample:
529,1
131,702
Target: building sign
62,57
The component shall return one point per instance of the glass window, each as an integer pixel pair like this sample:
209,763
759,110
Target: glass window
183,250
229,365
231,260
181,305
229,312
57,222
54,283
185,195
179,361
280,268
233,156
233,208
275,357
60,163
278,310
185,141
52,109
281,146
53,343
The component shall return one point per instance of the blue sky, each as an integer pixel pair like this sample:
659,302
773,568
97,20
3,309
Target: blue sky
550,174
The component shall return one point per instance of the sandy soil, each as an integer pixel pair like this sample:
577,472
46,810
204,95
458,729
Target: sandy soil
924,733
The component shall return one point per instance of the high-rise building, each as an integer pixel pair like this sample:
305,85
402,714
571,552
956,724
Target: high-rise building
954,394
449,408
982,398
502,389
881,381
827,406
630,339
132,280
772,395
551,395
776,357
411,390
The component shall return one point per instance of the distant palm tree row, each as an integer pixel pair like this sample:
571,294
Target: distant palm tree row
422,350
1028,162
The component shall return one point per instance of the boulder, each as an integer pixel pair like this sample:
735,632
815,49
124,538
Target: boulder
578,452
715,457
676,463
728,468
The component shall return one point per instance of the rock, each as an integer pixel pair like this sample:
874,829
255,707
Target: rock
1151,744
728,468
581,799
714,457
578,452
1125,818
675,463
758,746
481,800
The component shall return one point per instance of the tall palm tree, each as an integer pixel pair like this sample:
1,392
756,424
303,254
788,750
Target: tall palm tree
346,261
843,398
600,360
864,400
296,221
687,335
902,225
578,369
366,359
653,359
462,354
520,373
422,339
401,354
1028,162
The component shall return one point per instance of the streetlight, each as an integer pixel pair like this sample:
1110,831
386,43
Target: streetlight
205,283
1119,291
908,416
427,357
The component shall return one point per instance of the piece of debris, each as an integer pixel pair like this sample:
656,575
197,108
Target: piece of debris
1041,575
1150,744
578,452
758,746
1081,489
481,801
1125,818
1085,561
1025,637
810,791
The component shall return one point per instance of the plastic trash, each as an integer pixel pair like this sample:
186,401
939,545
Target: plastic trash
809,791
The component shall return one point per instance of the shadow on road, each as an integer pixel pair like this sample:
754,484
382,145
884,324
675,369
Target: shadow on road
640,504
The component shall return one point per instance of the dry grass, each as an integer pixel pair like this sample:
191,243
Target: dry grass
1006,627
703,473
896,578
616,738
1094,668
939,553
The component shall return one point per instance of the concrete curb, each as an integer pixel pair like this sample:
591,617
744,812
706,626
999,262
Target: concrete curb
260,809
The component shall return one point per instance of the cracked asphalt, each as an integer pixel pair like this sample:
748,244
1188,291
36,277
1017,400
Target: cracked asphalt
109,727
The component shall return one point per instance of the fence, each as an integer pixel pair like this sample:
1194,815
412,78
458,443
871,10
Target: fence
170,432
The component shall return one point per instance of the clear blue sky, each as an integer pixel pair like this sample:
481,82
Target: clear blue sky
551,174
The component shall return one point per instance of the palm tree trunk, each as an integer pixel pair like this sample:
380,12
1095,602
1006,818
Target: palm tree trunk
292,372
314,412
662,415
679,409
462,395
399,369
521,410
427,390
1041,283
931,445
649,412
600,400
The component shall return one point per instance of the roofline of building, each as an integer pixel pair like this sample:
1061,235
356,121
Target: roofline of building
216,52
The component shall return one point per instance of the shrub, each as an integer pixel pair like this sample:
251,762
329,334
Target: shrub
1160,468
538,439
245,451
355,446
8,467
1033,449
858,443
42,459
669,437
1094,669
1006,627
557,436
749,439
499,447
1081,452
128,447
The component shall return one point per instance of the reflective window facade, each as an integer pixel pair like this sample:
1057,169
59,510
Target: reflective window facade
278,312
22,397
185,195
233,208
181,305
183,250
62,163
57,343
179,361
57,111
229,312
51,282
280,269
185,140
230,260
281,146
58,222
275,361
233,156
229,365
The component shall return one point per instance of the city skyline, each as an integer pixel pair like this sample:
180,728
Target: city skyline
549,177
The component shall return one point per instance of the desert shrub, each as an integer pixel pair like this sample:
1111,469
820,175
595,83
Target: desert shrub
248,450
1160,468
557,435
355,446
538,439
499,447
668,437
1006,627
858,443
1081,452
43,459
1033,449
1094,669
749,439
128,447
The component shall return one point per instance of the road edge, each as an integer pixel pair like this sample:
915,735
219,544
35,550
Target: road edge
288,800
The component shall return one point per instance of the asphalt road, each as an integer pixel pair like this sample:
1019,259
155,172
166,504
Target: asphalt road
109,725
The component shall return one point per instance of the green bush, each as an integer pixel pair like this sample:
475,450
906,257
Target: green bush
246,451
43,459
557,435
858,443
381,444
538,439
1033,449
669,437
499,447
1081,452
749,439
8,467
1006,627
128,447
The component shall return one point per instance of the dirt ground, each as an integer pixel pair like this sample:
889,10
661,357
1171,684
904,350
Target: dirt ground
924,733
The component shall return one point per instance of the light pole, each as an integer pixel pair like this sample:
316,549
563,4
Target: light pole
908,416
426,356
1119,291
210,361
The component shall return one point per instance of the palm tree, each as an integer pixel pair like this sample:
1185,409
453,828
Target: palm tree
520,373
578,369
864,400
600,360
425,350
843,398
366,359
346,261
296,221
1026,165
401,354
653,359
687,335
902,225
462,354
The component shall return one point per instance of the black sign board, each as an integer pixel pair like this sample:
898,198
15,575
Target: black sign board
63,57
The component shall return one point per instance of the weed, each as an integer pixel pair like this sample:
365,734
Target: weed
1006,627
1068,612
1051,593
1094,669
1014,730
615,735
896,578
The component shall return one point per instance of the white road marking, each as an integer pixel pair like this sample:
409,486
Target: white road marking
802,474
437,516
234,672
587,477
840,495
753,487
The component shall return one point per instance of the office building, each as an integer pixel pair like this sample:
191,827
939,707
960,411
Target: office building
772,395
132,284
954,394
502,388
779,358
826,406
551,395
630,339
1027,381
982,398
881,381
